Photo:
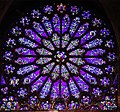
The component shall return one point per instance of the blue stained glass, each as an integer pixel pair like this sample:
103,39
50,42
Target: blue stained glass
74,25
88,77
4,90
38,27
73,105
88,36
9,103
22,92
55,72
26,69
109,69
43,51
64,72
109,43
105,32
82,85
73,44
25,21
94,43
27,42
45,105
35,13
108,103
72,68
97,92
77,61
60,106
64,90
47,25
65,23
95,52
74,90
61,8
86,100
48,9
43,60
9,69
55,90
48,68
105,81
33,100
46,88
95,61
48,44
111,56
37,84
31,77
31,34
82,30
86,14
74,10
56,23
2,80
16,31
93,69
56,40
24,51
8,55
25,60
96,22
65,40
10,42
77,52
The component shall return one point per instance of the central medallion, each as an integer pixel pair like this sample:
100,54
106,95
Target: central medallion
60,56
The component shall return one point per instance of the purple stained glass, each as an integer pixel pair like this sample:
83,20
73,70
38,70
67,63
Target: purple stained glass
55,90
53,59
65,23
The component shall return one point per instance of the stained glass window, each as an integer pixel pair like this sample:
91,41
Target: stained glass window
61,57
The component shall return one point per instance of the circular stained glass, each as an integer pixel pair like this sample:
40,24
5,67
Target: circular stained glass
59,57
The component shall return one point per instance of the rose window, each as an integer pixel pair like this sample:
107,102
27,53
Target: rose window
59,57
